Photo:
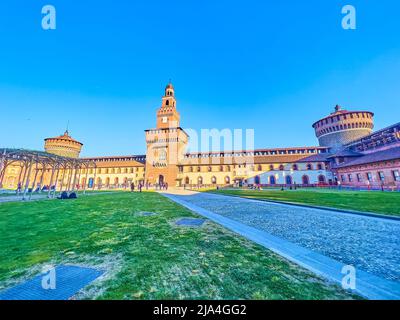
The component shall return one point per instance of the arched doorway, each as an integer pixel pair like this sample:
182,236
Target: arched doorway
257,180
161,179
272,180
99,183
214,180
90,184
227,180
10,182
187,180
321,179
305,180
289,180
83,183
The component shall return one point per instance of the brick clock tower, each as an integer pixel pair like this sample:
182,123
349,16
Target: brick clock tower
166,143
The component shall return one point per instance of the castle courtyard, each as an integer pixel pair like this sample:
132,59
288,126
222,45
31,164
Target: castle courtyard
147,256
245,249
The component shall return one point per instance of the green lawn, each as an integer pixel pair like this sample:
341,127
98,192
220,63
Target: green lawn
373,201
146,257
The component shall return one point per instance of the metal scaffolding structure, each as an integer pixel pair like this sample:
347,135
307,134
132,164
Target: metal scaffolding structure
33,166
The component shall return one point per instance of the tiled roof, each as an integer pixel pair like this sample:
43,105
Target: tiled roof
384,155
119,160
346,153
65,137
321,157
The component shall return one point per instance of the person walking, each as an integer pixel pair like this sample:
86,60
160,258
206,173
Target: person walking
19,187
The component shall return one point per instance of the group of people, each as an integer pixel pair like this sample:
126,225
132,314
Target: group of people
140,186
38,188
161,186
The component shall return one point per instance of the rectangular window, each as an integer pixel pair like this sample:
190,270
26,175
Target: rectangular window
342,178
381,176
369,176
359,177
350,177
396,175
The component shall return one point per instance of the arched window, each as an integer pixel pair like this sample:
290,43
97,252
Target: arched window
167,102
305,179
289,180
271,167
187,181
116,181
163,155
281,167
272,180
320,166
198,169
209,169
200,180
295,167
190,169
259,167
309,166
321,178
213,180
257,180
228,168
227,180
221,168
107,181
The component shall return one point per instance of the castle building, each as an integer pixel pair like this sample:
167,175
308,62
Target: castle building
349,154
166,143
63,146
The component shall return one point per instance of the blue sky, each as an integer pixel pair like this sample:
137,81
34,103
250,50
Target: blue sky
273,67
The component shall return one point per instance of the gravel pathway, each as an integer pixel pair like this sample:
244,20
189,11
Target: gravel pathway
368,243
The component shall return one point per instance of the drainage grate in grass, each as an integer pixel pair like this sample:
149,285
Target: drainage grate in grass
147,213
190,222
60,284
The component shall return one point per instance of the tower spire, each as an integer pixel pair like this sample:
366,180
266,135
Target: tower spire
67,129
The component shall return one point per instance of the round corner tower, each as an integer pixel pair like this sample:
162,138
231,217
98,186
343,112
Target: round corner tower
63,145
342,127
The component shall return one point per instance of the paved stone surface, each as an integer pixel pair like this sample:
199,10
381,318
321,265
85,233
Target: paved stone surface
368,243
